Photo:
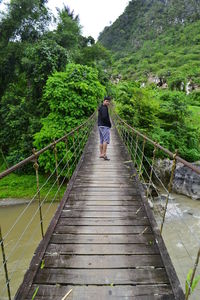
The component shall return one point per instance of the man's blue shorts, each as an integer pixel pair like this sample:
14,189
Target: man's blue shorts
104,133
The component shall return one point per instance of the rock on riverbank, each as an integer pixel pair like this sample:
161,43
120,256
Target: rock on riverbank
186,181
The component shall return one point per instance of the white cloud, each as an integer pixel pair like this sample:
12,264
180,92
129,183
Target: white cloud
94,14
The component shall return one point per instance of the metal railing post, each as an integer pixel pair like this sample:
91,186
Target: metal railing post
129,142
56,163
78,141
140,168
169,189
151,172
131,145
135,154
73,139
66,141
36,167
5,265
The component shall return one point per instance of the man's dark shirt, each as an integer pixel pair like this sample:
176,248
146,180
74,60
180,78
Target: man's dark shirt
103,116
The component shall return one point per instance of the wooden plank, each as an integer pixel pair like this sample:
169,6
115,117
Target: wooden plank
106,208
128,177
103,202
102,261
101,276
110,190
68,238
104,221
103,185
101,214
91,249
120,180
104,197
56,292
102,229
104,193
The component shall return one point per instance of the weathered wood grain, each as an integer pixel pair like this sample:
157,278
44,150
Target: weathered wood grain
103,261
141,292
101,276
68,238
105,208
99,229
98,249
105,221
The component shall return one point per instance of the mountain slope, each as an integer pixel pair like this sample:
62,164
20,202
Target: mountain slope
147,19
157,39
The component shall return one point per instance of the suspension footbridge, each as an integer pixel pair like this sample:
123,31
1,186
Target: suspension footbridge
103,241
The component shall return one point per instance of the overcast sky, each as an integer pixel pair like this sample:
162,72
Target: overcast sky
94,14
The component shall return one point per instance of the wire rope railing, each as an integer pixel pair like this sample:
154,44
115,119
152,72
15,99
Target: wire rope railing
143,154
65,164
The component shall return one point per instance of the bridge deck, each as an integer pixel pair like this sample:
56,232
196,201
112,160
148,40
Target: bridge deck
102,245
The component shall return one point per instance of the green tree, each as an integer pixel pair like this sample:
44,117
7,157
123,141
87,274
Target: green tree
72,96
68,29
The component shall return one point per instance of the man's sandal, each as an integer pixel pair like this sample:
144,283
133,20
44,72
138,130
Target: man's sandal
106,158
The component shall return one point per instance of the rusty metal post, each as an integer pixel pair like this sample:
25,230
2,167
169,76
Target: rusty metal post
36,167
140,168
5,265
73,139
86,134
123,134
79,144
169,189
151,172
66,141
129,142
135,154
193,274
121,130
56,163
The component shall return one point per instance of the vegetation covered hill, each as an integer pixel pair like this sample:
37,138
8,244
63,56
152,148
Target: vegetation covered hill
159,38
146,20
156,62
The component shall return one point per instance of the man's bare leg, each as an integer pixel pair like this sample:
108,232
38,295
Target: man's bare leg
101,150
104,149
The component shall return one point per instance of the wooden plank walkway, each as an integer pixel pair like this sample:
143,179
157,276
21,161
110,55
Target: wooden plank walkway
102,245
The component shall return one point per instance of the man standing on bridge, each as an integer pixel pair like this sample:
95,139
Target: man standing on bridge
104,125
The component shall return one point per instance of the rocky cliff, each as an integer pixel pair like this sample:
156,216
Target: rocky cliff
186,181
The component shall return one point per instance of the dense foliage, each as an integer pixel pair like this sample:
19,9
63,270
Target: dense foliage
30,52
163,116
72,97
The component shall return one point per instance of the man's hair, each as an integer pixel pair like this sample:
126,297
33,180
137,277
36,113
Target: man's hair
107,98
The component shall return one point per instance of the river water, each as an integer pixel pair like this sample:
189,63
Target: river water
181,234
19,252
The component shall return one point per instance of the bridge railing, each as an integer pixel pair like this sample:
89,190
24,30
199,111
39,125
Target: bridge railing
144,153
65,152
